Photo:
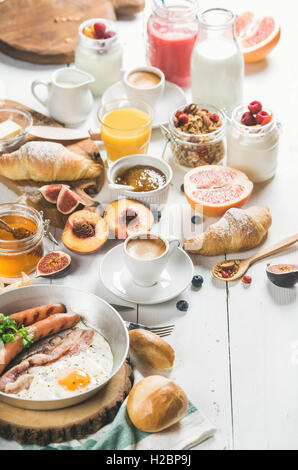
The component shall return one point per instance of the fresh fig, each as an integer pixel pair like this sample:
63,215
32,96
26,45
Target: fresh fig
51,192
283,275
68,201
53,264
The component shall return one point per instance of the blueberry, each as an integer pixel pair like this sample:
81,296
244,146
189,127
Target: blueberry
182,305
195,219
182,188
197,281
157,216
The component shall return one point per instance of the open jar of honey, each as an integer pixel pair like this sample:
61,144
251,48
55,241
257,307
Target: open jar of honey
22,255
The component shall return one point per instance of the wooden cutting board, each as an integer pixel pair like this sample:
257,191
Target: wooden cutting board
76,422
46,31
29,189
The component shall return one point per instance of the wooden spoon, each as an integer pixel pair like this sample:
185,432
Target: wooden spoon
18,233
244,264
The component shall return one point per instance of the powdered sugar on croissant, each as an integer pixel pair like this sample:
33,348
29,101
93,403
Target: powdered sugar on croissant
237,230
47,161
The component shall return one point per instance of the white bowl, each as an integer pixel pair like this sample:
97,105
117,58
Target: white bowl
97,314
157,197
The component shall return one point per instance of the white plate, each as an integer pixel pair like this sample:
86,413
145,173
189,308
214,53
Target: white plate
174,279
172,98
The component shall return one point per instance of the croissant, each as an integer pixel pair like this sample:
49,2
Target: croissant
47,161
237,230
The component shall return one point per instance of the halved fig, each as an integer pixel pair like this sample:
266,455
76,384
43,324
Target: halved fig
85,232
126,216
53,264
51,192
283,275
68,200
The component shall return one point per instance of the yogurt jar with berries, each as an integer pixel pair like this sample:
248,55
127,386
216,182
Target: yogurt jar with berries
253,141
197,133
99,53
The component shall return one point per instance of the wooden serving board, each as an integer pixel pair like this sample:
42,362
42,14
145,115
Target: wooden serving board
76,422
29,190
46,31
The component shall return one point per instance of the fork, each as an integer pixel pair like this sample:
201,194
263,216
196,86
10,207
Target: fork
161,331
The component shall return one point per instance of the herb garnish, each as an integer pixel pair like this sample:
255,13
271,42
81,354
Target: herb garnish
9,329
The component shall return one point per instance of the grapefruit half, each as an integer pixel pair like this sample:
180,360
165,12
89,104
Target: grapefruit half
257,36
213,189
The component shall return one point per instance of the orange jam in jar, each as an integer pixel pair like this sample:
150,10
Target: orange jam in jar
22,255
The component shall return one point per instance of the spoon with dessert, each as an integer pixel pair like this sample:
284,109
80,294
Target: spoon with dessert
230,270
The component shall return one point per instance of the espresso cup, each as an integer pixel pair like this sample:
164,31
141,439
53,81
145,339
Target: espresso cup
146,255
145,83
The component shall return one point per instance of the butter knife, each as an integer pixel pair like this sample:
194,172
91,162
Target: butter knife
63,133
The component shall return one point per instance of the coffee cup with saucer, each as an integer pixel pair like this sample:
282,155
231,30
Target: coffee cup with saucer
145,83
146,255
169,274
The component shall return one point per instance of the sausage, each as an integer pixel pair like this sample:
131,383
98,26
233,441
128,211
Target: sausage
33,315
41,329
53,324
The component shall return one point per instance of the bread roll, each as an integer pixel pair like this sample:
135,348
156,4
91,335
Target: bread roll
152,349
155,403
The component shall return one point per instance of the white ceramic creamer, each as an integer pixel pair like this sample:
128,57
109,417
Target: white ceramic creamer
69,99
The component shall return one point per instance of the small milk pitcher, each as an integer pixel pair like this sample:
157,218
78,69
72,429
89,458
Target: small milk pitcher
69,99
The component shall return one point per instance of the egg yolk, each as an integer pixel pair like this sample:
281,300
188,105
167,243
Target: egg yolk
74,379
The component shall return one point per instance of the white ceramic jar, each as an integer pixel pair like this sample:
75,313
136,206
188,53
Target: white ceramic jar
102,58
253,149
217,66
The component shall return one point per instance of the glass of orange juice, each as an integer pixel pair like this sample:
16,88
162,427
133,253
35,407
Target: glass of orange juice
125,127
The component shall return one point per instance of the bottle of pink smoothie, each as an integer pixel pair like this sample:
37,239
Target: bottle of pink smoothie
172,31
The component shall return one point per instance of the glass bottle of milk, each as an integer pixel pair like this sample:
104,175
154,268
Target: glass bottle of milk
217,67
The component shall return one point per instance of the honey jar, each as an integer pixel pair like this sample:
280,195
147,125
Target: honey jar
22,255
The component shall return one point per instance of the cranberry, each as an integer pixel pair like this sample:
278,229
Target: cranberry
214,117
225,274
246,280
100,29
255,107
248,119
109,34
263,118
179,112
183,119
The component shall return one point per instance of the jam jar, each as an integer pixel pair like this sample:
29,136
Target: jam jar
20,256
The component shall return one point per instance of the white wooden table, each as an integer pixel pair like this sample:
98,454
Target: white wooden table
236,347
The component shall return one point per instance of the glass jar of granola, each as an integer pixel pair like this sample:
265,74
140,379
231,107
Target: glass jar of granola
197,133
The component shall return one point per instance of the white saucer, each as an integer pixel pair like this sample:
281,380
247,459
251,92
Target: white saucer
174,279
172,98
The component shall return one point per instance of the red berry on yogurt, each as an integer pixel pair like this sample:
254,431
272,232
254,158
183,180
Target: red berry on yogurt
248,119
100,30
109,34
263,118
255,107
